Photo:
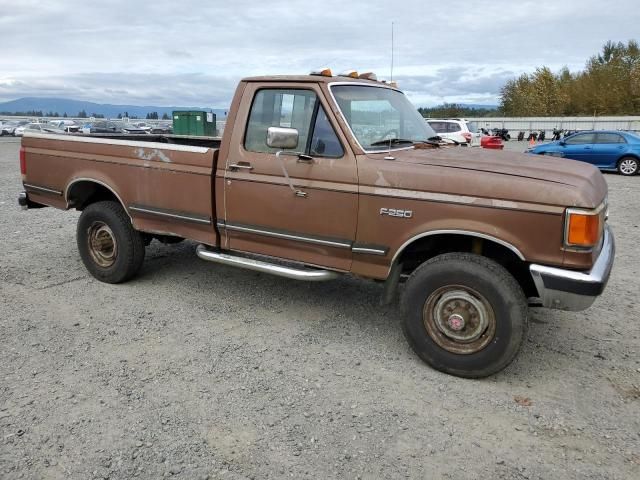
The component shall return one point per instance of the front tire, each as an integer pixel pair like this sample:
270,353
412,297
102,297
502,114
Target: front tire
628,166
464,314
110,248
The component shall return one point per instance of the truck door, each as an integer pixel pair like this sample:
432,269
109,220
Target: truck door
315,221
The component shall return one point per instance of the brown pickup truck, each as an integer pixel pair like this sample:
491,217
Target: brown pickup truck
319,176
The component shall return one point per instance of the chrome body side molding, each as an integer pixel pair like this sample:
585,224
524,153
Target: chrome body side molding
328,242
458,232
41,189
187,217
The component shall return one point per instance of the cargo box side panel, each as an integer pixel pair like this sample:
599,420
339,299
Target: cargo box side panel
166,189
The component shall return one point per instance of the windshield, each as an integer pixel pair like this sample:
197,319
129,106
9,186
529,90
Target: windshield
376,114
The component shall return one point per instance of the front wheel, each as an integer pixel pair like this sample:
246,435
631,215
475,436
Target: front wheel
628,166
464,314
110,248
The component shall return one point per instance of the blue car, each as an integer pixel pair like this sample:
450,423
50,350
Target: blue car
606,149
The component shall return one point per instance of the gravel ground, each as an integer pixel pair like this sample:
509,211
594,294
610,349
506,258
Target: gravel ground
195,370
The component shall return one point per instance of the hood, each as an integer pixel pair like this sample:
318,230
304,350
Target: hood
492,174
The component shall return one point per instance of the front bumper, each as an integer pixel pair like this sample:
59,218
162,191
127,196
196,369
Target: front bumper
570,290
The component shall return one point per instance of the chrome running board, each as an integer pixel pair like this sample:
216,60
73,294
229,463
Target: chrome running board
307,274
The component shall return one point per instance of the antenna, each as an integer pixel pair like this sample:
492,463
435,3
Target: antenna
391,51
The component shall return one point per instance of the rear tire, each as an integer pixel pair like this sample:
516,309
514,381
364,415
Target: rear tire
464,314
110,248
628,166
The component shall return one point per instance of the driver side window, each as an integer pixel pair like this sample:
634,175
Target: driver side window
299,109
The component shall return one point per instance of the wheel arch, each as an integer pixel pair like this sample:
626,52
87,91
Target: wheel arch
464,233
81,192
424,246
626,155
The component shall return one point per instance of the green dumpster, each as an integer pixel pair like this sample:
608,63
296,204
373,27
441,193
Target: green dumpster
197,123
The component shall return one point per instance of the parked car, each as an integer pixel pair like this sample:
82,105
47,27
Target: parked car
9,128
457,129
132,129
492,142
101,126
160,128
68,126
40,128
609,150
298,187
108,126
142,126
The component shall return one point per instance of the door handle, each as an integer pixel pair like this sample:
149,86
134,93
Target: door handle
302,158
240,166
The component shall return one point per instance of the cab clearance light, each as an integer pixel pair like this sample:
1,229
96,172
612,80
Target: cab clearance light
583,229
349,73
368,76
323,72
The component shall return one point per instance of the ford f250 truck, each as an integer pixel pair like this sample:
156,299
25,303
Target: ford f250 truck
318,176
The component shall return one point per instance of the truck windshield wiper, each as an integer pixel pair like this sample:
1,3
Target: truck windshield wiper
391,141
397,141
431,141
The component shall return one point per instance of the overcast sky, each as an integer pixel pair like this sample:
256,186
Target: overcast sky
192,53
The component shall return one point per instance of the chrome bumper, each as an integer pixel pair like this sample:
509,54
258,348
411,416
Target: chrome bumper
572,290
23,200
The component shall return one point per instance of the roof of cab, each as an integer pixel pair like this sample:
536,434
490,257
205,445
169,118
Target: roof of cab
312,79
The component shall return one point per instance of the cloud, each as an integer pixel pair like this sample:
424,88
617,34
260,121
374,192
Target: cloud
193,53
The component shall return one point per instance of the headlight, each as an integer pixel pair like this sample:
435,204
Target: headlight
583,228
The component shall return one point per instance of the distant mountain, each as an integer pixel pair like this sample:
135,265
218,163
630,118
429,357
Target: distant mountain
73,107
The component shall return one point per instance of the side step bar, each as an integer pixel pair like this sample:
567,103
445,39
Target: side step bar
310,275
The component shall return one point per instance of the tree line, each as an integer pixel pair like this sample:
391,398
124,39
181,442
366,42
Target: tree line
608,85
81,114
454,110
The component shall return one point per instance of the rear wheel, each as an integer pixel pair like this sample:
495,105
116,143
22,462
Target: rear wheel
110,248
628,166
464,314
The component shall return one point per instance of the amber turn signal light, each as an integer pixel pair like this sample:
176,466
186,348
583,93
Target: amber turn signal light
323,72
583,229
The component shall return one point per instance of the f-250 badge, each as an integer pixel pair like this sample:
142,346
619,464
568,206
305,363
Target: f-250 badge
392,212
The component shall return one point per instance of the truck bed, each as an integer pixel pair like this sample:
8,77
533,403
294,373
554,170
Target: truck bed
164,184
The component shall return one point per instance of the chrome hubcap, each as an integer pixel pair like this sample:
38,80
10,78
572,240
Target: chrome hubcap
459,319
456,322
102,244
629,167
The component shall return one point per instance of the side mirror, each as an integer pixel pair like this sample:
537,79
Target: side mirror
283,138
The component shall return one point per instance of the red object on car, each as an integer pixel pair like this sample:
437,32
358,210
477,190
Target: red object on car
491,141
